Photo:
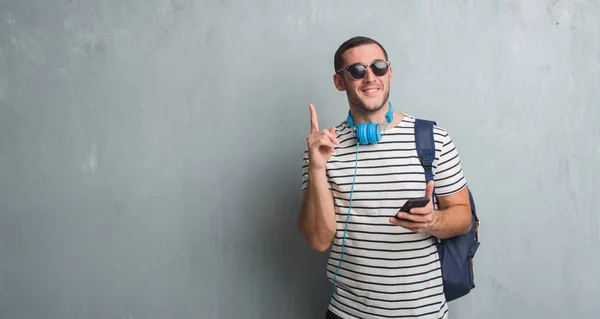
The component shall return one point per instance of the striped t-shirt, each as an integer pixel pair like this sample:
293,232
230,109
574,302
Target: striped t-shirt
387,271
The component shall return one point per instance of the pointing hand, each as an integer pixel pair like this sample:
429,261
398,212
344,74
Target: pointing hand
320,143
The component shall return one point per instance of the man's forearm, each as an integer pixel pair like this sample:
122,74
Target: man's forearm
451,222
317,215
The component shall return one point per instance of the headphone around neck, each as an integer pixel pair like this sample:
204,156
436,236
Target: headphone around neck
370,133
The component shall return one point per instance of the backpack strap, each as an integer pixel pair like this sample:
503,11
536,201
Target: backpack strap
425,146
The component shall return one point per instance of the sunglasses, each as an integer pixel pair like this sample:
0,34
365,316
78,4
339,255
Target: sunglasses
358,71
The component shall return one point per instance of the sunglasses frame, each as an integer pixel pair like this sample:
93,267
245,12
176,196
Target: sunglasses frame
366,66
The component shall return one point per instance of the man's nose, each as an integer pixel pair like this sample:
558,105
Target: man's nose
369,75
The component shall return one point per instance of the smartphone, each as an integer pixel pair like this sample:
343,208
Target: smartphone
414,202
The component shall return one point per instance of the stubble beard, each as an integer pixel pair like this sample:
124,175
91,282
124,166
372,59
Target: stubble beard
356,102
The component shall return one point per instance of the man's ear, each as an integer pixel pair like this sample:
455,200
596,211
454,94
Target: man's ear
390,72
338,82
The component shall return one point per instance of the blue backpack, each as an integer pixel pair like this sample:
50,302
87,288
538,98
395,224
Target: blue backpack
456,253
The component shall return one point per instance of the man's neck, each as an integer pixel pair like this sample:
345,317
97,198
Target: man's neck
360,116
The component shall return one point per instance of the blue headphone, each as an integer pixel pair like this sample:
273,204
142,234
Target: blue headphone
370,133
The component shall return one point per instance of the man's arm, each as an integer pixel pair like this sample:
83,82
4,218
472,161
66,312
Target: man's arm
454,215
316,220
452,218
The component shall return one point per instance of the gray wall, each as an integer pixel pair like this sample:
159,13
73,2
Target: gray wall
151,150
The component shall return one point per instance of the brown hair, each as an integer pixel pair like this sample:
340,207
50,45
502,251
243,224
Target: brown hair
338,61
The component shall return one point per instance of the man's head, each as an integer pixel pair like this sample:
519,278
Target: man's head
362,70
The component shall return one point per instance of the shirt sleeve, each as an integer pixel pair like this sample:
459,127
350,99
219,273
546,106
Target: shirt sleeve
449,177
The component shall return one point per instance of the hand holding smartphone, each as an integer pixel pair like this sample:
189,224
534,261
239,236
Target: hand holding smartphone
423,219
414,202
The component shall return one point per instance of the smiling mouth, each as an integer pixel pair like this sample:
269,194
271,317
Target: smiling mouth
370,91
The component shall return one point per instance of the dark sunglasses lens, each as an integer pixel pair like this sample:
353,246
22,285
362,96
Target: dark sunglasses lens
380,68
357,71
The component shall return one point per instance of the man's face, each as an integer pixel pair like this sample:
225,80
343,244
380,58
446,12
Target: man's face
370,92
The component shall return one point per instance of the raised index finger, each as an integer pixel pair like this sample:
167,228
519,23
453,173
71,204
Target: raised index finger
314,123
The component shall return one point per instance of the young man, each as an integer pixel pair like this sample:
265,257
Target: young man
383,263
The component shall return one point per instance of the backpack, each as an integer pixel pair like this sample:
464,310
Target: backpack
456,253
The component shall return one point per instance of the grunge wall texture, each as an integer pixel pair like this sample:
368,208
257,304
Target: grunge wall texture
150,151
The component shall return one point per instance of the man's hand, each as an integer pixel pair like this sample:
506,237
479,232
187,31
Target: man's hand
420,219
320,143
